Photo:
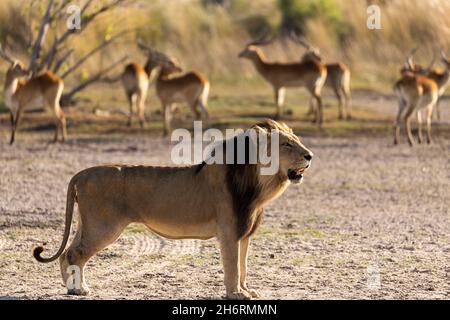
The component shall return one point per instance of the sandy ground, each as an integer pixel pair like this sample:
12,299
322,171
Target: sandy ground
369,221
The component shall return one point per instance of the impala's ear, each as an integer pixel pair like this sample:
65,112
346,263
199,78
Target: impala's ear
15,64
444,55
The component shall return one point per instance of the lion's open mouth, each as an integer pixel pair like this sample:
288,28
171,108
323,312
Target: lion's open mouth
296,175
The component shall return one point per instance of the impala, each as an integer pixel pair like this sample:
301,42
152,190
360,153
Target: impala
440,77
338,79
309,73
415,93
411,66
23,93
191,88
135,80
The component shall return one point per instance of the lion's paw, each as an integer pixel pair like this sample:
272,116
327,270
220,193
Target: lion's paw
241,295
79,292
253,293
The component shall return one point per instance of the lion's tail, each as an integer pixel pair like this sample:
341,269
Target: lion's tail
71,195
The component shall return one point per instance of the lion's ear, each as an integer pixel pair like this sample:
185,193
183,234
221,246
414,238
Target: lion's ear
285,127
259,129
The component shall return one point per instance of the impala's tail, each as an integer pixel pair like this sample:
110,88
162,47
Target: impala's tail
205,93
203,99
346,83
71,195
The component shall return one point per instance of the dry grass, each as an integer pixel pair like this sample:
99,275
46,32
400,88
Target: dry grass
210,38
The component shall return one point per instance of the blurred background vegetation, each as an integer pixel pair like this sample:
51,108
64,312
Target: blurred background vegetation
208,34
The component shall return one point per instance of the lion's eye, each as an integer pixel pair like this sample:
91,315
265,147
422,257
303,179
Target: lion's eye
287,144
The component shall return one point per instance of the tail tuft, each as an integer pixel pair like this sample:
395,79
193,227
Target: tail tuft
37,253
71,195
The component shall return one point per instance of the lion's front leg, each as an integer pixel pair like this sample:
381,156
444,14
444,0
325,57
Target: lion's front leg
244,246
229,249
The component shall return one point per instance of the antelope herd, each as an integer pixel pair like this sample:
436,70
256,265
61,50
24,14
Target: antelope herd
418,90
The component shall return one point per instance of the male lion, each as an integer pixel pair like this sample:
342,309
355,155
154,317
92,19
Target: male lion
201,201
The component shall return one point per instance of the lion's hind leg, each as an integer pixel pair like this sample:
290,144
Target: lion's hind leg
92,236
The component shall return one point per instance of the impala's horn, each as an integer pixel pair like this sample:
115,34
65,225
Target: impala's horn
410,61
6,56
262,39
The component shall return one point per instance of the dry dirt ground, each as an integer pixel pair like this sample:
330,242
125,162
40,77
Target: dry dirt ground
369,221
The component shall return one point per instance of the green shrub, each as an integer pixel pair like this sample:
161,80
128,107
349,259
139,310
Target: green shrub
295,14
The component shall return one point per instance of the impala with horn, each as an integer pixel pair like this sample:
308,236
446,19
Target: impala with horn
440,77
23,92
309,73
411,66
416,93
338,79
135,80
171,88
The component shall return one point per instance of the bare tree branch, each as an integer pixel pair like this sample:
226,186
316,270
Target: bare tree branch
58,11
101,76
63,59
101,46
5,55
58,52
86,20
41,36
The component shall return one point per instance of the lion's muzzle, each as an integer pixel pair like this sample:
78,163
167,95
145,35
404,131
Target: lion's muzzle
296,175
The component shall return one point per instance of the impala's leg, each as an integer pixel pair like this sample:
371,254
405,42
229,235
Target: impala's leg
167,109
55,104
205,114
195,112
11,118
56,117
279,100
419,129
337,92
347,103
141,108
130,98
311,109
15,123
63,126
438,111
429,115
203,101
401,107
315,90
319,111
92,236
244,246
59,118
407,121
57,126
13,128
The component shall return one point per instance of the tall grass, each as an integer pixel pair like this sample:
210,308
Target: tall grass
209,37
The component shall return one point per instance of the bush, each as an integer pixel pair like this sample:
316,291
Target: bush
296,13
